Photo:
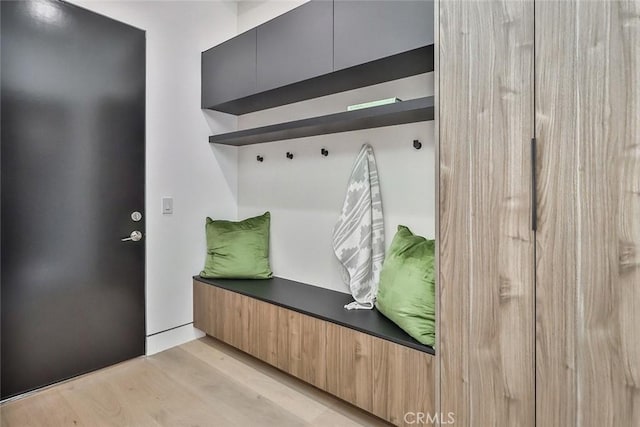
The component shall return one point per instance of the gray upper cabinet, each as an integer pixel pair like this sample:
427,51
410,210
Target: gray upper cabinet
296,46
319,48
366,31
229,70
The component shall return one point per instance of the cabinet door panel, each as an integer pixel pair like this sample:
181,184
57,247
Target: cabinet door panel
231,312
314,347
203,304
229,70
302,347
289,350
350,365
486,245
248,322
403,381
264,332
588,239
368,30
296,46
208,313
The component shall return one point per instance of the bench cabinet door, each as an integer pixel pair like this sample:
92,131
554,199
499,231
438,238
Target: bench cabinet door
404,381
229,70
207,313
296,46
365,31
350,365
264,332
302,347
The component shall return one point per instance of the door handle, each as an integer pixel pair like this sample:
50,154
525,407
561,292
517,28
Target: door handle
134,236
534,185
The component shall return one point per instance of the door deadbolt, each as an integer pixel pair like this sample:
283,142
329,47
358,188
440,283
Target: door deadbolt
136,216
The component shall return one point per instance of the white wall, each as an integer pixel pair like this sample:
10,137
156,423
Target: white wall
180,162
253,13
305,195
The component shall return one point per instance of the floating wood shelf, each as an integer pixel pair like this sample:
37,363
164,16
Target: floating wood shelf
415,110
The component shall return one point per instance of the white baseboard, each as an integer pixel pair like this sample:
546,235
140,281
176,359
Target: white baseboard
171,338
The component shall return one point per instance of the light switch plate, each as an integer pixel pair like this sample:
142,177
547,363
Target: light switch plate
167,205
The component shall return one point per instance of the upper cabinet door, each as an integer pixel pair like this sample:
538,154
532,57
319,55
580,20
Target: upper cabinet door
296,46
368,30
229,70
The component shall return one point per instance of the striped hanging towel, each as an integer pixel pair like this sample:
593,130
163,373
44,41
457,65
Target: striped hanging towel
358,236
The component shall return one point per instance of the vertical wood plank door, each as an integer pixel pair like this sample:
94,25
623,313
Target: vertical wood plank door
264,332
350,365
403,383
302,347
588,240
486,247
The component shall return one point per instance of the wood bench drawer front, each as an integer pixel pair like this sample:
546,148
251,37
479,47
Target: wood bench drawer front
379,376
302,347
243,322
404,381
376,375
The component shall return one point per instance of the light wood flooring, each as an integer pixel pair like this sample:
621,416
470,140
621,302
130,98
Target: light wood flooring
200,383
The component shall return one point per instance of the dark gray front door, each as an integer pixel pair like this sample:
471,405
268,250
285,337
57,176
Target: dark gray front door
73,157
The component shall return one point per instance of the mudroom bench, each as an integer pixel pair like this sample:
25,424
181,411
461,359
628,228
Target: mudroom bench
359,356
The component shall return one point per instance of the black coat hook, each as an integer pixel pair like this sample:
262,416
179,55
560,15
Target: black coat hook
260,158
324,152
289,155
417,144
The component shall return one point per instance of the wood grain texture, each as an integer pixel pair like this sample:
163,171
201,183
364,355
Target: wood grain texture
376,375
31,412
313,355
588,243
235,323
256,376
208,309
201,383
288,340
403,381
436,118
350,366
486,251
556,236
204,313
264,332
302,347
201,306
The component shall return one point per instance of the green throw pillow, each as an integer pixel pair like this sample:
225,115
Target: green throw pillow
406,293
238,250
